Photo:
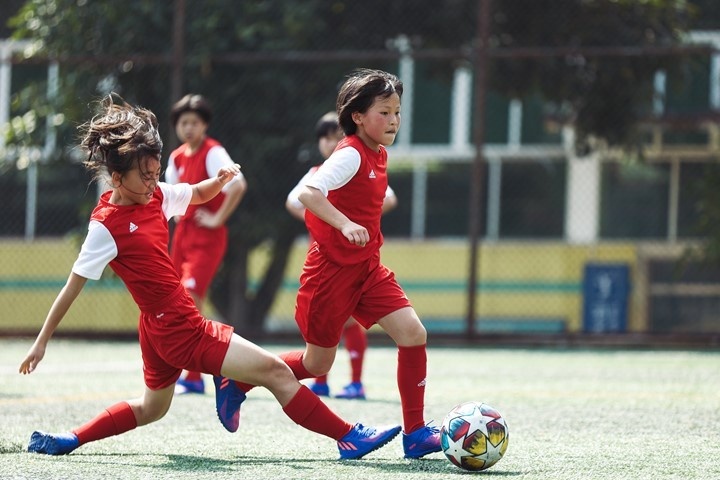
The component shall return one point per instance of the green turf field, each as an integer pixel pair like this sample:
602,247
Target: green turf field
573,414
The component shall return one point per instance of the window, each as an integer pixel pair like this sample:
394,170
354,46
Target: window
634,201
532,202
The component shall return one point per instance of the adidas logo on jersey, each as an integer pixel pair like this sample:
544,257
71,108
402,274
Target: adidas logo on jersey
133,227
372,174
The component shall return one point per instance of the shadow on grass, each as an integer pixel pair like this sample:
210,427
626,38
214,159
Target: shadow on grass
11,396
204,464
7,446
429,465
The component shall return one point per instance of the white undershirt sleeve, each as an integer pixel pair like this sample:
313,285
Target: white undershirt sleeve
292,197
97,251
337,170
171,173
217,157
176,198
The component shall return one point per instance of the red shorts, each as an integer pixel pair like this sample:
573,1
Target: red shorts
330,293
177,337
197,253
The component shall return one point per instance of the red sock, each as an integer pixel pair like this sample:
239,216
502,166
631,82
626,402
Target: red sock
307,410
245,387
193,376
412,369
321,379
355,340
294,361
115,420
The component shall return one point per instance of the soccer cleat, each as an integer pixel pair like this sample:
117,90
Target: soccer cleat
320,389
422,441
362,440
189,386
352,391
53,443
228,398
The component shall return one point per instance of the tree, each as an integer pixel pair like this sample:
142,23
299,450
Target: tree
265,109
603,96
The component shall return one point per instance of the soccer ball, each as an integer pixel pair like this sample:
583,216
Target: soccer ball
474,436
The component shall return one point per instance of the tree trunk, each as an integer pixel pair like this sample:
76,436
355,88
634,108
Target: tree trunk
271,281
245,310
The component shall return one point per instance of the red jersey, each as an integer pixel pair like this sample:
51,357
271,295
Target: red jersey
361,200
192,169
133,239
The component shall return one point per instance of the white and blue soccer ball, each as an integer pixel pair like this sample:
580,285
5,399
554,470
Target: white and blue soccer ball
474,436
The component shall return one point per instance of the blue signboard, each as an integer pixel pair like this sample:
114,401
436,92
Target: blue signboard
606,288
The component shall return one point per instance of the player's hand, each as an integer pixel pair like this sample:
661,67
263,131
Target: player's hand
225,174
33,357
205,218
356,234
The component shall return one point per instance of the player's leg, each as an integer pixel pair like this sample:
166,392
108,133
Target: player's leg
384,303
319,359
310,363
230,394
248,363
320,386
323,286
355,341
116,419
192,380
405,328
355,338
200,253
246,373
315,360
252,365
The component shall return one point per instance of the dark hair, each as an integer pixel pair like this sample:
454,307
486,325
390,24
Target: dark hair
119,136
191,103
359,92
327,125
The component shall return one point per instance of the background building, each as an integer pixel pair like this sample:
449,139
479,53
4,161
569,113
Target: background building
594,193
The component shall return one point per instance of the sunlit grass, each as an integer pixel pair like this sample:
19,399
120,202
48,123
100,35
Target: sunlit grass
573,414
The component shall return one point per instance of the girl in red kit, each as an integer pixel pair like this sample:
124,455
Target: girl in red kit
200,238
128,230
343,275
329,133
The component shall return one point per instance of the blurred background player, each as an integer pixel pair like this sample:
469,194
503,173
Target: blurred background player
200,237
328,134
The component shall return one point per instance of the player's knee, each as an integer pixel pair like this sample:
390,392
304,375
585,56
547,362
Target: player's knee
276,372
317,366
158,414
318,371
145,414
414,334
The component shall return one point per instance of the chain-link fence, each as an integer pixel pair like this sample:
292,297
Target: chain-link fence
599,145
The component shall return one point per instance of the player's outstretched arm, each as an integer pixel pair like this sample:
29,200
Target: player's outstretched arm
233,195
60,306
208,189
